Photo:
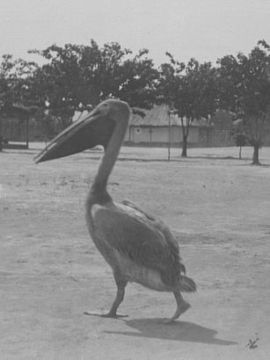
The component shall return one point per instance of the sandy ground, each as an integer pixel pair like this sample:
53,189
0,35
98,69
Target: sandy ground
51,273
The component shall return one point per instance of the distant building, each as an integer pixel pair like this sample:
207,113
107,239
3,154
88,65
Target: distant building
158,128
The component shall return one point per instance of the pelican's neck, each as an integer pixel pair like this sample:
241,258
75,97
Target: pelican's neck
109,159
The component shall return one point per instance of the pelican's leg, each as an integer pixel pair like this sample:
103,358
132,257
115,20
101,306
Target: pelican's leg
121,285
182,306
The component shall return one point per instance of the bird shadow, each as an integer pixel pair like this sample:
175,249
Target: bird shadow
177,331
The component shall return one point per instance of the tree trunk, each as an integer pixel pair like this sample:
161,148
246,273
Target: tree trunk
185,132
240,152
184,147
255,159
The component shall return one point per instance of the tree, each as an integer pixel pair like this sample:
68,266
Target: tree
14,76
244,88
189,89
76,76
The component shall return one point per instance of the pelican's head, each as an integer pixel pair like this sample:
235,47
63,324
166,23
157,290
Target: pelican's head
94,129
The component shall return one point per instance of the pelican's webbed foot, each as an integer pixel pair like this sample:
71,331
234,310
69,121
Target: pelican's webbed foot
106,315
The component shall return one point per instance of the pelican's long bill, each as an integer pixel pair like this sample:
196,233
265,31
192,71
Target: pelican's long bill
94,129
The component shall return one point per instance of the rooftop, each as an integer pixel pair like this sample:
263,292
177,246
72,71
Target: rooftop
159,116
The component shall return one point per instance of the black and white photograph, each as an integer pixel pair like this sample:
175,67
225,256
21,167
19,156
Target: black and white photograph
134,180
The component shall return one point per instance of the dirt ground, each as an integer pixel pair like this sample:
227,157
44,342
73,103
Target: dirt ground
51,273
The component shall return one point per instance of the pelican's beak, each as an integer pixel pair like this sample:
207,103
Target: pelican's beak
94,129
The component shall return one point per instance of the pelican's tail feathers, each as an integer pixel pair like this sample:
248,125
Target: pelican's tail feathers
187,284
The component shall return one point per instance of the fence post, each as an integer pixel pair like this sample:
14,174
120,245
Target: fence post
169,136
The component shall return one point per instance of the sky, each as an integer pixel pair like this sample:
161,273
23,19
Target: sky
204,29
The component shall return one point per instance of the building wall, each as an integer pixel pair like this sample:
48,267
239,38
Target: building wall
220,137
215,137
14,129
159,135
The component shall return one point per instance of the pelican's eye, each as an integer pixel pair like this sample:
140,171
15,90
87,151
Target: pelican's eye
105,109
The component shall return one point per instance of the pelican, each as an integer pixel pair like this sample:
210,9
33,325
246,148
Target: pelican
138,247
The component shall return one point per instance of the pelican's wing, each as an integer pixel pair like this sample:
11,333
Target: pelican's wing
131,204
137,237
160,225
